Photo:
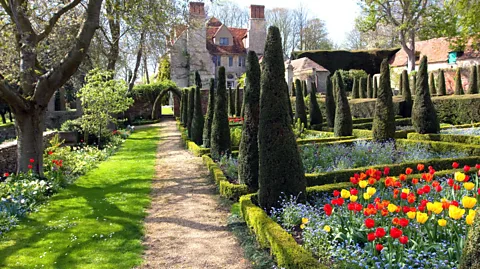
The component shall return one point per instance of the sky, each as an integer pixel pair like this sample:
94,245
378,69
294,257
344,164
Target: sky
339,15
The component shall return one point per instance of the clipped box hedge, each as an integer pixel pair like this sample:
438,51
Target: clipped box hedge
227,190
361,133
464,139
398,122
288,254
323,140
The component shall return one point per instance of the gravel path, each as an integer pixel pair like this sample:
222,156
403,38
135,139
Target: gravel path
186,227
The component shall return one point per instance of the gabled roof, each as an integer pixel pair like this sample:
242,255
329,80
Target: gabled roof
305,64
238,34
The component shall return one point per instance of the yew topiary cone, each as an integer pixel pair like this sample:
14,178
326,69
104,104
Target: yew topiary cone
384,119
248,153
355,89
458,83
343,116
424,115
431,83
369,87
281,169
191,106
473,88
238,102
363,88
407,96
198,119
442,89
207,129
184,108
316,118
375,87
330,103
400,92
220,138
300,112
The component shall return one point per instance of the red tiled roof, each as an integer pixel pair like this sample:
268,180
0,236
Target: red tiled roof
435,49
305,63
238,35
214,22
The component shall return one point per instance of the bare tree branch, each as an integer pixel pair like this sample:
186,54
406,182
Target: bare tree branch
10,96
53,20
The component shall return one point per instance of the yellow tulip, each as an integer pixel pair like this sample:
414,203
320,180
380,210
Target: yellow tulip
436,207
471,212
353,198
470,219
459,176
411,215
392,208
302,226
371,191
366,196
469,185
304,220
422,217
407,191
345,194
469,202
455,212
327,228
442,222
363,184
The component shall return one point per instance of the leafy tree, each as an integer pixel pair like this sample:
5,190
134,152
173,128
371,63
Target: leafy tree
248,153
316,36
369,87
316,118
198,120
384,120
101,98
280,165
431,83
330,103
220,138
407,95
442,89
207,129
424,115
363,88
300,113
164,70
458,83
473,88
343,116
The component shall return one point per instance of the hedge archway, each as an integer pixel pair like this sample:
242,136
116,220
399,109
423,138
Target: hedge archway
157,105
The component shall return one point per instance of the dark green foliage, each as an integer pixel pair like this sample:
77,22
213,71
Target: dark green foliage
184,108
414,83
238,102
330,103
458,83
198,80
220,138
281,168
442,89
300,110
384,119
315,113
290,110
305,89
191,106
471,251
375,87
431,83
424,115
231,101
473,88
355,89
363,88
198,119
400,84
343,115
207,129
248,152
407,96
478,77
293,89
369,87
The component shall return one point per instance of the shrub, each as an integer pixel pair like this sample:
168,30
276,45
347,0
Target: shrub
407,96
315,113
231,101
363,88
343,115
207,128
238,102
375,87
220,137
293,89
458,83
248,153
400,84
355,89
305,88
191,107
424,115
184,107
414,83
280,169
471,253
384,120
349,76
330,103
473,88
431,83
369,87
300,113
442,89
198,119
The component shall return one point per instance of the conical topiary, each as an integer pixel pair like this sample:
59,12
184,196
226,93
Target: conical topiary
281,169
207,129
248,153
400,84
330,103
220,138
198,119
191,106
473,88
316,118
305,89
363,87
431,84
442,88
414,84
458,83
384,120
242,113
375,87
407,95
184,108
424,115
238,102
343,116
369,87
355,89
300,112
293,88
231,96
478,77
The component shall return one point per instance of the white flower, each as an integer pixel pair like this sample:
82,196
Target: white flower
22,201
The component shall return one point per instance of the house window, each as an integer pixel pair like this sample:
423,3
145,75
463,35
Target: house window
230,61
219,60
241,61
224,41
452,57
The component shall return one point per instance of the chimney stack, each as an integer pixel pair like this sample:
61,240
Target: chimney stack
257,12
197,9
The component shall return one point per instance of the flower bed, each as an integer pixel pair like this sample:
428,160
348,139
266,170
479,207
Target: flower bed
393,223
451,138
472,131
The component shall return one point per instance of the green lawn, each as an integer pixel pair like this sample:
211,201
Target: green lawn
166,110
96,222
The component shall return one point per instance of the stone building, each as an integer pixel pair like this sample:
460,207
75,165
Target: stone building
306,69
205,45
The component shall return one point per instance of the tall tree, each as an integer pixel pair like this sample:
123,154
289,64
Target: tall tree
330,103
407,95
316,118
375,87
473,83
207,129
442,88
384,120
220,138
230,13
198,120
316,36
300,112
343,116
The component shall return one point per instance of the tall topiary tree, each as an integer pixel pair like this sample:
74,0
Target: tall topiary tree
375,87
316,118
478,77
220,137
330,103
414,83
343,116
407,95
400,92
231,100
191,106
384,120
369,87
238,102
305,89
473,88
248,153
184,108
471,251
458,83
198,119
424,115
293,88
355,89
431,83
207,128
300,112
281,168
363,88
442,89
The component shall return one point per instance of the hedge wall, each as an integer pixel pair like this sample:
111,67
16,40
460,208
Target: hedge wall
227,190
464,139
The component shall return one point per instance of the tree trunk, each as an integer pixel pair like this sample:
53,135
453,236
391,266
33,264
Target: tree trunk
137,63
30,125
146,69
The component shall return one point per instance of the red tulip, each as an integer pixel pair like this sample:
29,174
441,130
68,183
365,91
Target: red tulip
353,191
351,206
426,189
395,232
370,237
408,171
415,181
379,247
450,182
32,160
380,232
466,168
403,196
403,240
455,165
438,188
455,203
6,174
50,152
477,166
405,209
386,170
30,166
370,223
420,167
336,193
358,207
328,209
403,222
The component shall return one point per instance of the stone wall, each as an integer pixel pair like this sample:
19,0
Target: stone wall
55,119
7,132
141,108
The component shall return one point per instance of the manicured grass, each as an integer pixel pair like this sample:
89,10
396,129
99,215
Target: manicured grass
96,222
167,110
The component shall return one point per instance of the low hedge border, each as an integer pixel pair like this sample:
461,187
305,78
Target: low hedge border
287,252
323,140
368,125
462,126
227,190
464,139
472,150
362,133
